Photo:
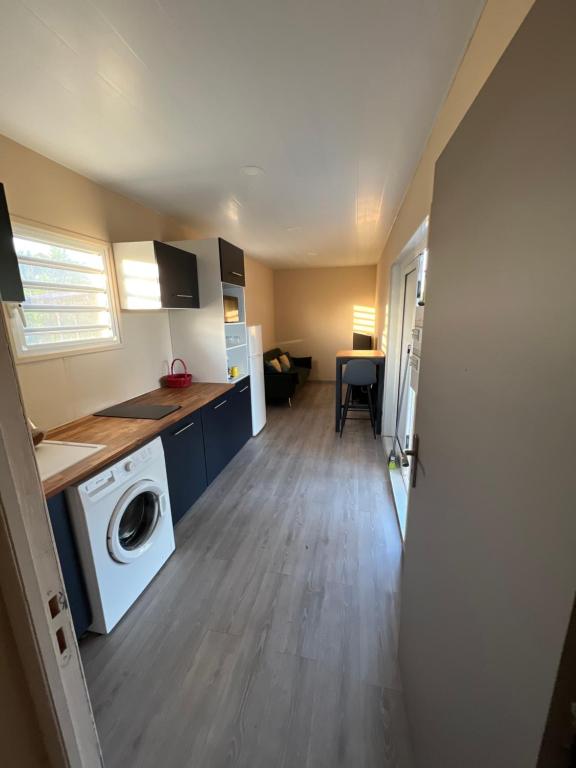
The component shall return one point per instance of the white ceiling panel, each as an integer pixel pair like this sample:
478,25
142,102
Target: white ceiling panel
167,100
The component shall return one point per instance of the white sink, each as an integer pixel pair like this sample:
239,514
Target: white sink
53,456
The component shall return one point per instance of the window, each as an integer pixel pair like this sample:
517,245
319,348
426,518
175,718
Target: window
69,301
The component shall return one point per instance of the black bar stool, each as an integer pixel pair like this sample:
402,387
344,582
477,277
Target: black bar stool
359,373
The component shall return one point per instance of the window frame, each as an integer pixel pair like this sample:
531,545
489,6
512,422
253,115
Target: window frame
64,238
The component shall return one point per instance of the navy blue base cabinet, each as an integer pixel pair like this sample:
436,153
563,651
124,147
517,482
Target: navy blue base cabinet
227,426
219,443
183,446
70,564
243,410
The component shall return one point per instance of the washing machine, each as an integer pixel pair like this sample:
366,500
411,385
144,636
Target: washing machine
124,533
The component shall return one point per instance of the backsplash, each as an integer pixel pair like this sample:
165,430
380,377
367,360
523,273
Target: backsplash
62,389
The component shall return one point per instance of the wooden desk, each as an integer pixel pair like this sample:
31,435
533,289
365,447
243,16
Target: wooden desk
379,359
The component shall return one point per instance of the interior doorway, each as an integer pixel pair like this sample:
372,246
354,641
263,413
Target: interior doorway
33,593
407,285
406,399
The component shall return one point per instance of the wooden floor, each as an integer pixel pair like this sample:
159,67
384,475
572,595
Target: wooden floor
269,638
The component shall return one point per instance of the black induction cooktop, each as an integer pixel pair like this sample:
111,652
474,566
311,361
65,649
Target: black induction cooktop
138,411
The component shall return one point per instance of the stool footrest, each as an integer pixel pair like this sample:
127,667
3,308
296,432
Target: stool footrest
351,406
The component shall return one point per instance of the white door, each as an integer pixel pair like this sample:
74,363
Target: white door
490,565
405,393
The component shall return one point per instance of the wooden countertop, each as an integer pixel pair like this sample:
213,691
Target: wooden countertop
361,353
121,436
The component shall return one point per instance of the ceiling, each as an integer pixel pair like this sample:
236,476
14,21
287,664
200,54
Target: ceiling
168,100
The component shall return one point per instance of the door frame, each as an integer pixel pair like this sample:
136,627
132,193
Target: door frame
30,577
417,243
410,267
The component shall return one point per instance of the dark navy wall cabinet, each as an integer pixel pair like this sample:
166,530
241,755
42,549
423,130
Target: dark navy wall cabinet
185,466
70,564
231,263
10,281
178,276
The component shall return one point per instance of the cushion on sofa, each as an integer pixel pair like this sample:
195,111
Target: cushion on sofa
272,353
275,365
283,373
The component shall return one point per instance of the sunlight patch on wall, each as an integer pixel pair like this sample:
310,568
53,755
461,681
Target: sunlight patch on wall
384,334
364,320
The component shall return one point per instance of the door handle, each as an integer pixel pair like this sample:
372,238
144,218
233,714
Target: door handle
184,429
414,453
162,505
184,295
237,274
245,388
220,404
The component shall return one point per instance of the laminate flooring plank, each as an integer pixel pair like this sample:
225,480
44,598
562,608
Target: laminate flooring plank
249,726
253,725
176,732
269,638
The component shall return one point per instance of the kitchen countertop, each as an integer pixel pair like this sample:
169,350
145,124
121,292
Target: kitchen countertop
121,436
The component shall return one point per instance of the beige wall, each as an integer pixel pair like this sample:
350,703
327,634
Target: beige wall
21,742
496,27
65,388
260,299
314,307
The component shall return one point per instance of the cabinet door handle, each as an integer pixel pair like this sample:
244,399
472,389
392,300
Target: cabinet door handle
220,404
184,429
184,296
245,388
237,274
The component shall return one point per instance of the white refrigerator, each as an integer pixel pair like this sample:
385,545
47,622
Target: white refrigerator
256,365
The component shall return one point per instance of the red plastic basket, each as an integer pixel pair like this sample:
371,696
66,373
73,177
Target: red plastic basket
178,380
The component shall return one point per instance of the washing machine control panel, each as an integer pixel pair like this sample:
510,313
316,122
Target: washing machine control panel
122,471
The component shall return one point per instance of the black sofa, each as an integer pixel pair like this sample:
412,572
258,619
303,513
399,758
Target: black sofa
283,385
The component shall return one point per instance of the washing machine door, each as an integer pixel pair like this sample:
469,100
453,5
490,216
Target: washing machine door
134,521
